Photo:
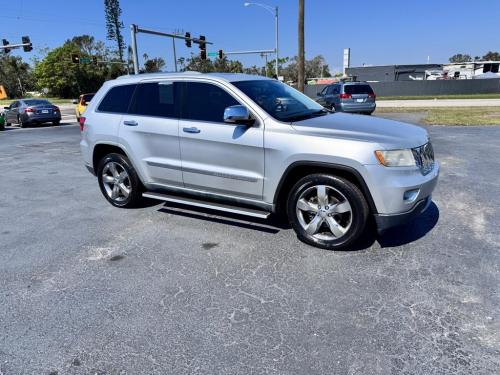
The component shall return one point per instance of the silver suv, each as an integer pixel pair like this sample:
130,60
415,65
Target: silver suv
254,146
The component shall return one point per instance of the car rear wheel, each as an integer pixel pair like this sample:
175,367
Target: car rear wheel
326,211
118,181
20,122
56,123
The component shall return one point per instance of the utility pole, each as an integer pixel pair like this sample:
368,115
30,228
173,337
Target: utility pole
301,55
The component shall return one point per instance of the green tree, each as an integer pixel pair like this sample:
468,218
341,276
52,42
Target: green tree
195,63
153,65
114,25
491,56
225,65
460,58
15,75
63,78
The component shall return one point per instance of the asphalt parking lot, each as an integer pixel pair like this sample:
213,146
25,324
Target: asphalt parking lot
86,288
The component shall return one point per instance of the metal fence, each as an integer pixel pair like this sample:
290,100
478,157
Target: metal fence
424,88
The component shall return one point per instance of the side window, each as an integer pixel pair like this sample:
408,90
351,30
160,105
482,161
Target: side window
324,91
155,99
117,99
205,102
14,105
336,90
330,90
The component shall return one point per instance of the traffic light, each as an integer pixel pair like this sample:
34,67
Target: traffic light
202,43
75,58
29,46
203,47
6,43
188,40
94,60
221,54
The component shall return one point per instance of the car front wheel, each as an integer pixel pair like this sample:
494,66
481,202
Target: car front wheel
118,181
326,211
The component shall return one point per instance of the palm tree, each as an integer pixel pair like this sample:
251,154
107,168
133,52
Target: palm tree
301,54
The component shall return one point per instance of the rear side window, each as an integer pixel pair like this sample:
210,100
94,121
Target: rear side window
117,99
358,89
205,102
155,99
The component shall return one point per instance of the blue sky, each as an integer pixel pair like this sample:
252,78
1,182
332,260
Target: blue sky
377,31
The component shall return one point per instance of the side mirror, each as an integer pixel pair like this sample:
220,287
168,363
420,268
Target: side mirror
238,114
319,94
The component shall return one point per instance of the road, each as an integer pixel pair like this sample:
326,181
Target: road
86,288
423,103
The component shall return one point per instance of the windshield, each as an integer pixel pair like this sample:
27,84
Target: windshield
32,102
281,101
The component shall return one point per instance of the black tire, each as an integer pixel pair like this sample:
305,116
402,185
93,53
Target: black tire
354,220
134,184
56,123
2,127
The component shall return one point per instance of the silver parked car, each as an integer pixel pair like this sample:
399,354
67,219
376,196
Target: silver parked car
32,111
254,146
353,97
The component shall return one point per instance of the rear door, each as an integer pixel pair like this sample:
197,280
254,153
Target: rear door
11,114
360,93
216,156
151,131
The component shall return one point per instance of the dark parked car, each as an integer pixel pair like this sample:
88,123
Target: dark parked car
32,111
354,97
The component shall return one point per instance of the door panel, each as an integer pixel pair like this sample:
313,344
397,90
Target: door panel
219,157
151,130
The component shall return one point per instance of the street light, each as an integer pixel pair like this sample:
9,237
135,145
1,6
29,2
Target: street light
274,11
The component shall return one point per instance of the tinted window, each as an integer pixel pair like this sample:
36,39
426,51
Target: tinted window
87,98
117,99
154,99
36,102
205,102
358,89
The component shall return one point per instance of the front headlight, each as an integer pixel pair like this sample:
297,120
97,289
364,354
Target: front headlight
396,158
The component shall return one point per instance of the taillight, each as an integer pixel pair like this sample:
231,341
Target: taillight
372,95
345,96
56,109
82,123
29,110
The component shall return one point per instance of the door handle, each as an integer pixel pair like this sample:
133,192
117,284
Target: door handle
130,123
191,130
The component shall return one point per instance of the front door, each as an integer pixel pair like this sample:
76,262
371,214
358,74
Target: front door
150,129
216,156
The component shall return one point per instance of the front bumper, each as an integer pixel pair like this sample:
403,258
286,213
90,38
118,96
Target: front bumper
385,222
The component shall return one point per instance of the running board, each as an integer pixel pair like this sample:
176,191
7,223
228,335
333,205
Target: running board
209,205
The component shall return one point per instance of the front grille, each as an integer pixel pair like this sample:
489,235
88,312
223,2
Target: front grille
424,156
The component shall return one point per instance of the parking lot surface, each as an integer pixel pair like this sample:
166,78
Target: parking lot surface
86,288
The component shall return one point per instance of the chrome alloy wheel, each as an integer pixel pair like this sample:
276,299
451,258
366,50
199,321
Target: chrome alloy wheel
116,181
324,212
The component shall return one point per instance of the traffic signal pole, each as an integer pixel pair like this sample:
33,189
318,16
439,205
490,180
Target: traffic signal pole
134,30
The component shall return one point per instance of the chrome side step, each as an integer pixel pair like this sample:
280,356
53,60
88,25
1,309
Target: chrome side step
209,205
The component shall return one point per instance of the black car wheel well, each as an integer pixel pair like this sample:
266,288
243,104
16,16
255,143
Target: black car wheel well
297,170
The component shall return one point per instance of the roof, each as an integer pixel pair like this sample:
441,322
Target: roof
228,77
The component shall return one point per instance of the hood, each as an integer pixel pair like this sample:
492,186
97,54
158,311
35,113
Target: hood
388,134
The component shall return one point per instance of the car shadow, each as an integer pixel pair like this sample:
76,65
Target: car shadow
393,237
411,231
273,224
